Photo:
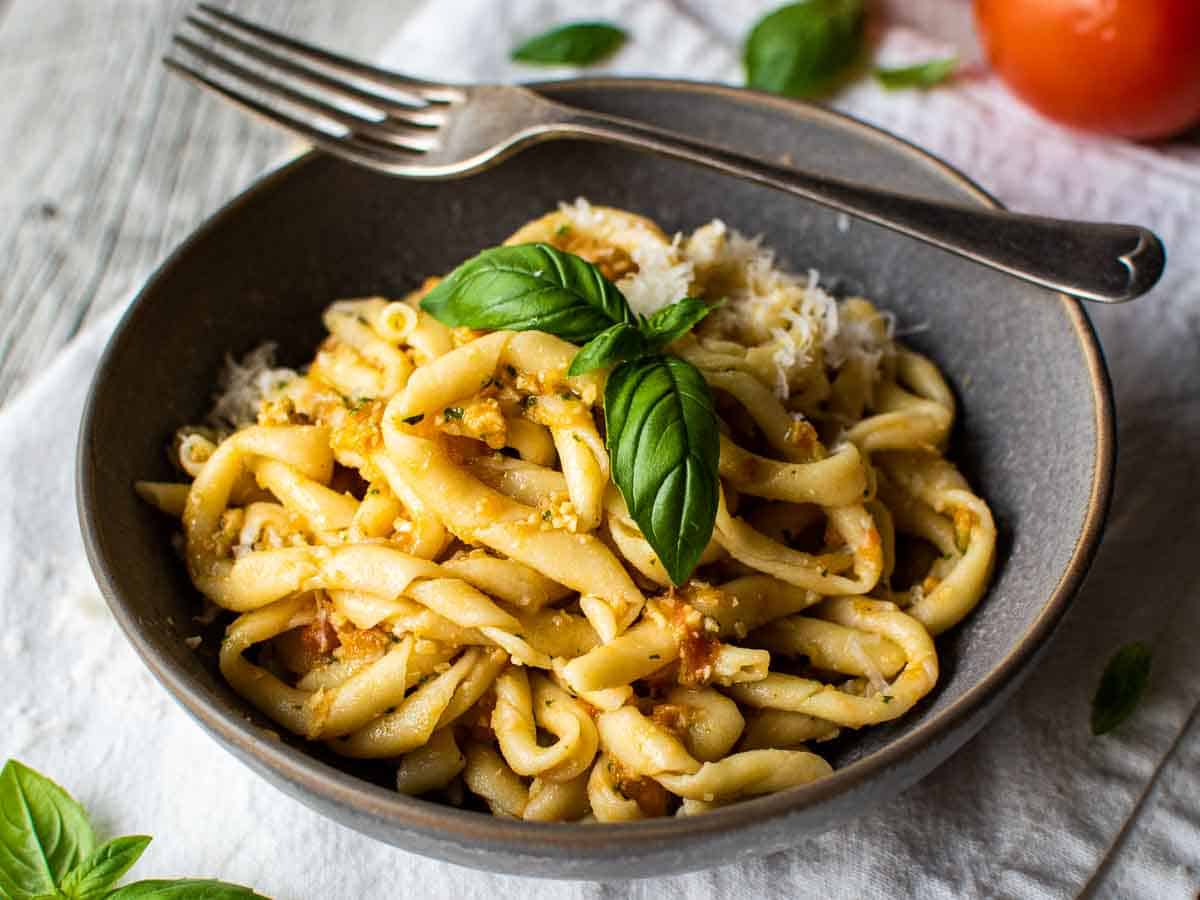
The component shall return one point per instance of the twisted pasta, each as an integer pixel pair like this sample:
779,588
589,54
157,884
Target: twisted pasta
427,561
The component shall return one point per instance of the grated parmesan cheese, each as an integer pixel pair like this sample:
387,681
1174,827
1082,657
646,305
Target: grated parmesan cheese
861,338
662,274
582,214
793,327
662,277
800,324
768,307
242,386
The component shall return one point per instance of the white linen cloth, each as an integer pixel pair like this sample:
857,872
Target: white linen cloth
1033,807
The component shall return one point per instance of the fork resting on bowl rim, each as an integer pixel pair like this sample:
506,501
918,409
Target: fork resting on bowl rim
414,128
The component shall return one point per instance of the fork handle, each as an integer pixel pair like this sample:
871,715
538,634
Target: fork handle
1110,263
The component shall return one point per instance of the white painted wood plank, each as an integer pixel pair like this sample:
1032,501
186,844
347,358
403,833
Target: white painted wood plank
107,161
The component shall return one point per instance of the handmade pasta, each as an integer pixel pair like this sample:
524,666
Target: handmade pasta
432,554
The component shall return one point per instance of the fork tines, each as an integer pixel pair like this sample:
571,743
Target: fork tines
325,97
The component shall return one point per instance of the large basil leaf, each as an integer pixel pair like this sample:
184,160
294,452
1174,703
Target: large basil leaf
799,50
529,287
43,833
183,889
577,44
93,878
663,442
1121,687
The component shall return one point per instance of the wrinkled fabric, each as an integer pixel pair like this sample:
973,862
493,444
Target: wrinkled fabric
1033,807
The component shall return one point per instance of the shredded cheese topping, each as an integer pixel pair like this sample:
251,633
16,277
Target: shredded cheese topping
243,386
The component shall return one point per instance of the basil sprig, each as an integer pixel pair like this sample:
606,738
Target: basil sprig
801,49
44,834
95,876
920,75
182,889
660,424
627,341
575,44
48,850
1121,687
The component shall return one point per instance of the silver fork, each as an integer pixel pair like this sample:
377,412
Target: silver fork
423,129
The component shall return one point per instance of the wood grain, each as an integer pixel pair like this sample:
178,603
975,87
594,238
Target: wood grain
109,161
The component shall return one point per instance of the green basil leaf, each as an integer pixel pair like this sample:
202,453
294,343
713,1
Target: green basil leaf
921,75
663,442
612,346
183,889
672,322
93,878
1121,687
799,50
576,44
529,287
43,833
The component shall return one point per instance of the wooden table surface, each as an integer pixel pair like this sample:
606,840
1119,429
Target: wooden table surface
109,161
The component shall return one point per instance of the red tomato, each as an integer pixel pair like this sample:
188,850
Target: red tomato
1122,67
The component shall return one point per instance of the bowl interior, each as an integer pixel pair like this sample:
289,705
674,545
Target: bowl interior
1030,418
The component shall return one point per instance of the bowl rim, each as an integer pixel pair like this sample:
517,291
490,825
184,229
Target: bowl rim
547,840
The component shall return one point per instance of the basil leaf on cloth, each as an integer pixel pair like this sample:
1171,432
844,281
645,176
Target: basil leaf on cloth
663,440
920,75
1121,687
93,878
575,44
529,287
44,833
614,345
183,889
800,49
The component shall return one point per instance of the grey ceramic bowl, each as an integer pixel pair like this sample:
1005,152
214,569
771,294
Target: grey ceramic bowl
1035,434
